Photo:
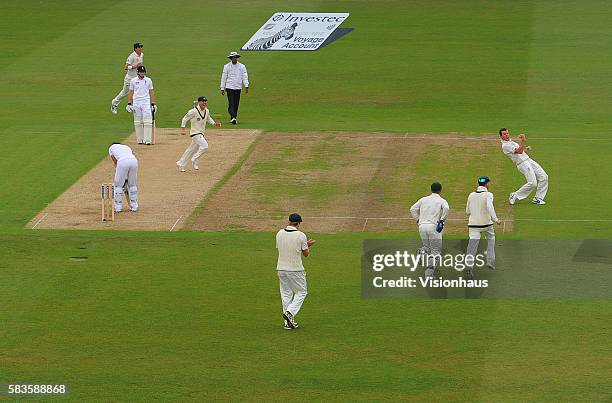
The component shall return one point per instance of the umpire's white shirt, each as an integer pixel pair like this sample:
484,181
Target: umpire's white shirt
290,243
233,76
121,152
141,88
430,209
198,119
508,148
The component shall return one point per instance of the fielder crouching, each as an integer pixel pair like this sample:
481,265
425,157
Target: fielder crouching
126,170
430,212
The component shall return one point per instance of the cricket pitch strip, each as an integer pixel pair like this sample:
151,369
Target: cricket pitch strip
337,181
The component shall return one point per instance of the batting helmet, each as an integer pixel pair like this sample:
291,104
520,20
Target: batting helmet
141,69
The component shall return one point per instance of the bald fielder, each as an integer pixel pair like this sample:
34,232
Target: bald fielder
481,215
198,116
126,172
430,212
134,60
536,176
142,95
292,244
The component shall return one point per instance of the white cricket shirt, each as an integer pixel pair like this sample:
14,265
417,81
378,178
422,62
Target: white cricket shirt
430,209
141,88
198,119
120,152
133,59
290,243
480,208
233,76
508,148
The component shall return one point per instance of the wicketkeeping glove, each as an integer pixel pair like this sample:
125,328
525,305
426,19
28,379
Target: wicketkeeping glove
129,108
153,108
440,226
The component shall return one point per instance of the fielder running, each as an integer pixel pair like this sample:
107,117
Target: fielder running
534,173
126,170
197,117
134,60
482,215
292,244
430,213
141,93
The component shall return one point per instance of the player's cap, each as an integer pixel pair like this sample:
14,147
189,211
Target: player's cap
295,217
138,45
483,180
233,54
202,99
141,69
436,187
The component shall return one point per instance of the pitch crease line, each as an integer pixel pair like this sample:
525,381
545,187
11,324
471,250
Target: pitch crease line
39,221
176,222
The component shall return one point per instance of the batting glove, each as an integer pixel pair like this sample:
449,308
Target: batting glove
153,108
129,108
440,226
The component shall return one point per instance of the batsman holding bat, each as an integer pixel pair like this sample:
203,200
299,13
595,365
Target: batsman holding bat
534,173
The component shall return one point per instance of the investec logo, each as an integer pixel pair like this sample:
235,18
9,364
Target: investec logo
308,18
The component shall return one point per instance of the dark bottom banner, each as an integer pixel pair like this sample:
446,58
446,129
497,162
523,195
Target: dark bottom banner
510,269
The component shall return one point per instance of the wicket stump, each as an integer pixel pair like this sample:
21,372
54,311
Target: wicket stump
108,201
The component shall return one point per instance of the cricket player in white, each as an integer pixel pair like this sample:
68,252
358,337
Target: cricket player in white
233,77
292,244
430,213
198,117
141,93
134,60
481,215
126,168
534,173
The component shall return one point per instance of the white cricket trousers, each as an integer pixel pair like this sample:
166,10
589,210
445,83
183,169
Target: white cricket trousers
143,122
123,93
127,169
293,290
475,234
432,243
536,178
198,146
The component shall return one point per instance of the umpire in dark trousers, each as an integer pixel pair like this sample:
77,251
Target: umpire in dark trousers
233,78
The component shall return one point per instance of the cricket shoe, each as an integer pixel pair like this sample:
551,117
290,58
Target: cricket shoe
233,121
538,201
288,316
113,109
180,167
287,327
133,209
195,165
512,198
490,267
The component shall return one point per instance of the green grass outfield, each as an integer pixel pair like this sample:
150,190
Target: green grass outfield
182,315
